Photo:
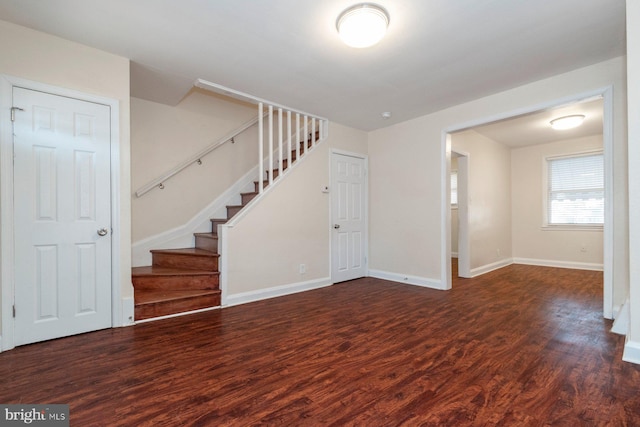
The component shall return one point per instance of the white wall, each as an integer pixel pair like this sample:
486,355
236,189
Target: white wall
489,199
54,61
290,226
632,348
407,169
547,246
163,136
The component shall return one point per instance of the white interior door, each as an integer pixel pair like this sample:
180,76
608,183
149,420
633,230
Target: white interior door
62,216
348,213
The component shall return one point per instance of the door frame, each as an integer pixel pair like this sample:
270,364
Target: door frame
365,158
606,93
7,277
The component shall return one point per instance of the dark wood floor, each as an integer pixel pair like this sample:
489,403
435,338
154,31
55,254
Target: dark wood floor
520,346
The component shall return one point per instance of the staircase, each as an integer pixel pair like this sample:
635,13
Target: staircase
183,280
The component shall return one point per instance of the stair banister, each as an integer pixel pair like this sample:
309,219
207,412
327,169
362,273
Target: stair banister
196,158
213,87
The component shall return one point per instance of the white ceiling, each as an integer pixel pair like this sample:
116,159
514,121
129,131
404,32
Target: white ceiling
437,53
535,128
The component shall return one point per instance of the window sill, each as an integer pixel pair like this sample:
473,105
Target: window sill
568,227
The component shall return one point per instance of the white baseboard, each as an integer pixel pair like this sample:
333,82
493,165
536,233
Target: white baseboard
490,267
631,352
454,254
277,291
560,264
128,311
182,236
408,279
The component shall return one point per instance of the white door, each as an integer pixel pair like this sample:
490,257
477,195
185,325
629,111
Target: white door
62,213
348,213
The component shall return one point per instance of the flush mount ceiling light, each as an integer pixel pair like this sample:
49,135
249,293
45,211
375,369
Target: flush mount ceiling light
567,122
362,25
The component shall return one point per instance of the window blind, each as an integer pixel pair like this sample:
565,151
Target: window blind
576,190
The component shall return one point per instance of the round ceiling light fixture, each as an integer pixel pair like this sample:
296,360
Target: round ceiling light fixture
362,25
567,122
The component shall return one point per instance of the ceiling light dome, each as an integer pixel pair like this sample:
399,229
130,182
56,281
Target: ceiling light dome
362,25
567,122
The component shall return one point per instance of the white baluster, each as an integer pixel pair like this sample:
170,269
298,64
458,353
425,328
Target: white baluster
313,131
260,146
280,135
297,136
289,138
306,132
270,162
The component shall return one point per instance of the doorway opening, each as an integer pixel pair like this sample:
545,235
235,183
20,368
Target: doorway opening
533,126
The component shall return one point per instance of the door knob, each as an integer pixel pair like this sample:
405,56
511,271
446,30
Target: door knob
102,232
336,226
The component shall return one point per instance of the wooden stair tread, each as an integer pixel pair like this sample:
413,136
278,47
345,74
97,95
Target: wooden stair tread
210,235
153,296
168,271
186,251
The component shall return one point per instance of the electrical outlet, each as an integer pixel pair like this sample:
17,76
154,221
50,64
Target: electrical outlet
302,269
583,248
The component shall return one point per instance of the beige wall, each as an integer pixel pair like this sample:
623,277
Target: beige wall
489,197
404,198
291,225
51,60
163,136
406,172
530,240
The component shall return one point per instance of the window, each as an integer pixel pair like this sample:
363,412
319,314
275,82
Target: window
575,190
454,189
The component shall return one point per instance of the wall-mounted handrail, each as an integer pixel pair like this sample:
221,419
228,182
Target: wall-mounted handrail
196,158
271,108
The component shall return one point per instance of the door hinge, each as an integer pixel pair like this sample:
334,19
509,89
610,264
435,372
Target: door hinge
13,112
14,311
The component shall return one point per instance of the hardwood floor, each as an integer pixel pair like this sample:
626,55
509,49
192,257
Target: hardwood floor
520,346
